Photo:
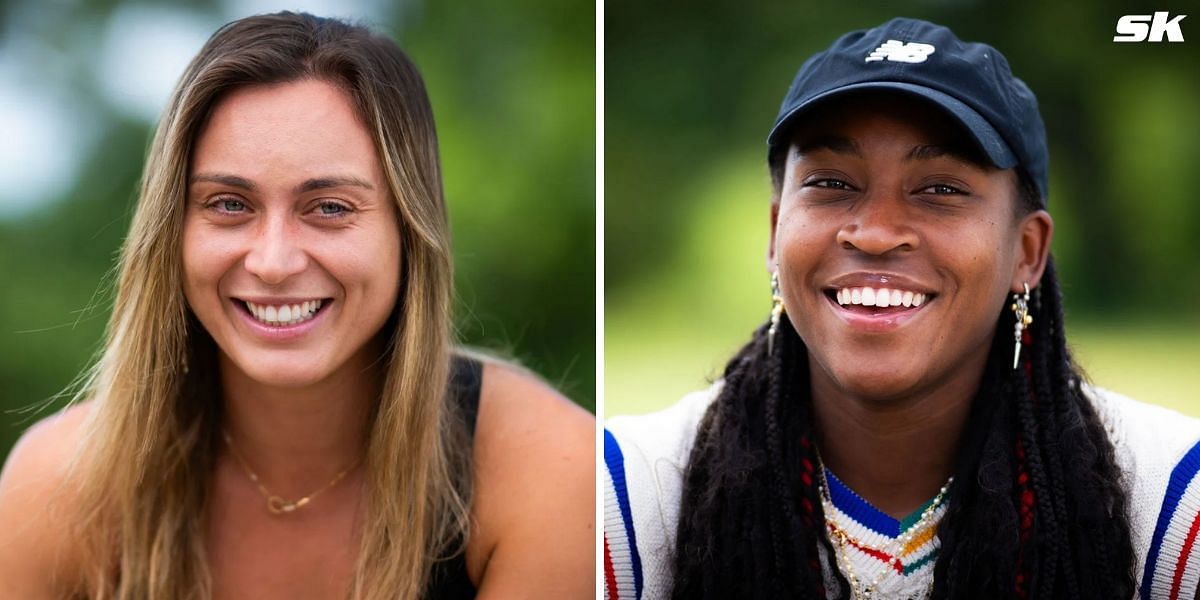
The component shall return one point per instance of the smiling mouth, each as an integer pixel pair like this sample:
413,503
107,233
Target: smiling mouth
876,301
284,315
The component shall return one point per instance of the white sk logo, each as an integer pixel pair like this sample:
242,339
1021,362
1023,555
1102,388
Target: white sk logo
1133,28
897,51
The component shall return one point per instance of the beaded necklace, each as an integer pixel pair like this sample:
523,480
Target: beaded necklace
924,527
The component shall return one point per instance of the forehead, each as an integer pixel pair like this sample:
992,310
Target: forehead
300,127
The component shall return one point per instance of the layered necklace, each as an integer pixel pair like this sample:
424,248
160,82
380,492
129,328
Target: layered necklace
886,558
276,504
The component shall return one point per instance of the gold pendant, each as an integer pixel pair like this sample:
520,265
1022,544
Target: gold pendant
280,506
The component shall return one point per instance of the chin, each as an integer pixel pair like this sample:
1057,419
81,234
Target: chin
877,382
282,372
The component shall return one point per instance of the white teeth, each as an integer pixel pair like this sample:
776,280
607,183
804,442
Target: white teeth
286,314
882,297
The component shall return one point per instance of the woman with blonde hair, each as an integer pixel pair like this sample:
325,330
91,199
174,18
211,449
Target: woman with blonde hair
280,410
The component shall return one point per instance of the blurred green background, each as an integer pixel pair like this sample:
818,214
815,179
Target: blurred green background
513,90
690,95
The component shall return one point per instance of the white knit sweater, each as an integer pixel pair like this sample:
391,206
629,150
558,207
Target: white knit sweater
1158,450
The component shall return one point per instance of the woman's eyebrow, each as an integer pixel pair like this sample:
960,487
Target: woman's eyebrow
224,179
833,143
320,183
316,183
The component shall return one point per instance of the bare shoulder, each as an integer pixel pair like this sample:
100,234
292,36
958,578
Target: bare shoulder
517,401
35,490
527,427
534,503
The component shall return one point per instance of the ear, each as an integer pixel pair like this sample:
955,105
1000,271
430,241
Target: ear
1034,233
771,261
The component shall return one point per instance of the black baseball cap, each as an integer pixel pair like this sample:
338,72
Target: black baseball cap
969,81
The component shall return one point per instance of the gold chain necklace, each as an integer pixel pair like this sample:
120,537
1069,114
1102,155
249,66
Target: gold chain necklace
276,504
844,539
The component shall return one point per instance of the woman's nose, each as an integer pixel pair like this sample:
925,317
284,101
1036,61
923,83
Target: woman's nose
879,224
274,254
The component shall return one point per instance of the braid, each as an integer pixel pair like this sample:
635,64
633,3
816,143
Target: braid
803,450
749,525
779,531
970,563
1045,534
1094,512
1069,522
1018,520
1025,503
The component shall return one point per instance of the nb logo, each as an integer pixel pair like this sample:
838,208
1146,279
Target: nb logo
1134,28
897,51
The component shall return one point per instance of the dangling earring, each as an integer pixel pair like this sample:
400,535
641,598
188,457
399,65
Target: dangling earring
776,312
1020,308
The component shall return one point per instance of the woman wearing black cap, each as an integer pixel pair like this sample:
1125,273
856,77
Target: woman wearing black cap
908,423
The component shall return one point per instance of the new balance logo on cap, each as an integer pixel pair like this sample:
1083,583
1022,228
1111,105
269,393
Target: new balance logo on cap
897,51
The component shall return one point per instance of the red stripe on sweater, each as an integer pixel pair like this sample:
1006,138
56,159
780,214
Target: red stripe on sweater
610,577
882,556
1183,557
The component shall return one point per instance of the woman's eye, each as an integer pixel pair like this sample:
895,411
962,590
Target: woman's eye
332,209
228,205
833,184
942,189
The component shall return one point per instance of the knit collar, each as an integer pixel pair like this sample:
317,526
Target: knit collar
864,513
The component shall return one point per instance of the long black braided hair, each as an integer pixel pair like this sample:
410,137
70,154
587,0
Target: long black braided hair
1036,509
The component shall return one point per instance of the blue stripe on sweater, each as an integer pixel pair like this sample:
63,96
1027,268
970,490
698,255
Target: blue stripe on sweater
1181,476
615,461
860,510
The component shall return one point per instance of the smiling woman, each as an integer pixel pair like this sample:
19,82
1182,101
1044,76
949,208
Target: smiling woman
288,207
280,410
909,422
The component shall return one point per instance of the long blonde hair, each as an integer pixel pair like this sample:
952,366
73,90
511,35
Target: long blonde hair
148,455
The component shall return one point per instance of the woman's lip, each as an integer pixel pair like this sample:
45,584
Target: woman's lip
879,280
267,301
279,333
882,322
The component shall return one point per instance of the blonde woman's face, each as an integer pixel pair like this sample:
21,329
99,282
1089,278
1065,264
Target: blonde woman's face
291,249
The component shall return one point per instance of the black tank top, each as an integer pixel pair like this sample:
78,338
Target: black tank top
449,580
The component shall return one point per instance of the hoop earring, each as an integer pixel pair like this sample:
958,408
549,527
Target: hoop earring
1020,308
776,312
